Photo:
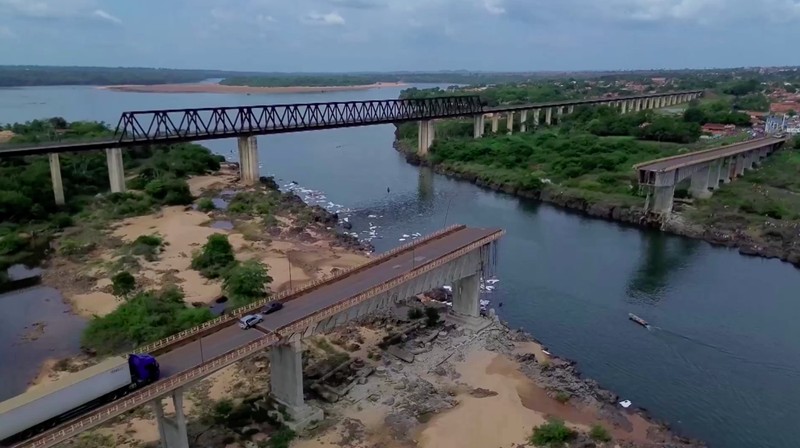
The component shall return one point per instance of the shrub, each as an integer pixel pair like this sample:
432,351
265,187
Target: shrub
246,282
205,205
123,284
215,258
146,317
12,243
562,397
169,191
415,313
281,439
147,246
553,433
431,316
61,220
599,433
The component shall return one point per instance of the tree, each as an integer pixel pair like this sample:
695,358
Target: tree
246,282
791,113
694,115
123,284
215,257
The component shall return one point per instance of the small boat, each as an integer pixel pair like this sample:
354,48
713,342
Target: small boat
638,320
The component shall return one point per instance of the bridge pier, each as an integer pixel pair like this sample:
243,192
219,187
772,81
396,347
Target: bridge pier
570,108
286,384
750,160
466,303
548,116
248,159
510,122
523,121
536,117
478,124
55,177
427,132
727,170
495,123
116,172
623,107
662,199
715,174
699,185
172,431
738,170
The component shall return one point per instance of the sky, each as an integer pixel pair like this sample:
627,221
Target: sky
387,35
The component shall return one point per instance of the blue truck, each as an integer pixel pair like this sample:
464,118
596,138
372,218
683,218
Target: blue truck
46,406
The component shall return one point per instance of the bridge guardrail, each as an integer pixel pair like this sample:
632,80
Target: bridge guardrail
204,328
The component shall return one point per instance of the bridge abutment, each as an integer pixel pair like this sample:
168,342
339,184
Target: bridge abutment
286,384
55,177
662,199
116,172
172,431
248,159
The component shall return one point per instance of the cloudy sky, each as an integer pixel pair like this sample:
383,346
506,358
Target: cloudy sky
350,35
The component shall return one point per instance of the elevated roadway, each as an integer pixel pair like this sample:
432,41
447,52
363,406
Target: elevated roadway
707,169
450,254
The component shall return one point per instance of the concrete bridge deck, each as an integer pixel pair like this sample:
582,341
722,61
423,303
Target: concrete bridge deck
196,353
707,169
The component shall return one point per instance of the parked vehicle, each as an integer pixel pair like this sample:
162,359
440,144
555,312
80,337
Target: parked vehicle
272,307
249,321
27,414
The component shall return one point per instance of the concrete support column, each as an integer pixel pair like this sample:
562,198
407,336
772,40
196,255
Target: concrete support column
699,187
726,172
55,177
172,430
571,108
662,199
495,123
715,174
559,113
248,159
478,126
739,166
523,121
623,107
425,138
750,160
637,105
466,296
116,173
286,383
662,101
548,116
510,122
536,117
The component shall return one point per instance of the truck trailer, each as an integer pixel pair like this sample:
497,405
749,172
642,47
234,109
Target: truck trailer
45,407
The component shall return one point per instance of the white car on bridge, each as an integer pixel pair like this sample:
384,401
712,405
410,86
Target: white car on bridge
250,320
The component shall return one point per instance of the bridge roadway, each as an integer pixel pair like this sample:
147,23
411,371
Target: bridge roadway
227,338
588,101
708,155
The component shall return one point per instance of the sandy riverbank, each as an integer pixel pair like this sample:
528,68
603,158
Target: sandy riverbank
293,258
219,88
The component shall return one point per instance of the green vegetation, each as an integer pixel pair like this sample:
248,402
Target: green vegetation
563,397
146,317
281,438
33,75
205,205
27,204
554,433
122,284
599,434
246,282
215,258
716,111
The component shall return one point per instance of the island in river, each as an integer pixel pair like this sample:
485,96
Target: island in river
220,88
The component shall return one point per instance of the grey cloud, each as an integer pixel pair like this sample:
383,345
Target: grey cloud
359,4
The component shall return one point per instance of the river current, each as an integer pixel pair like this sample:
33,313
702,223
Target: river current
722,362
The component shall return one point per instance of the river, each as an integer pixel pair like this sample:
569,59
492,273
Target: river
723,361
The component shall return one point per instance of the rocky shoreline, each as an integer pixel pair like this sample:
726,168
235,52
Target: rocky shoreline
783,242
